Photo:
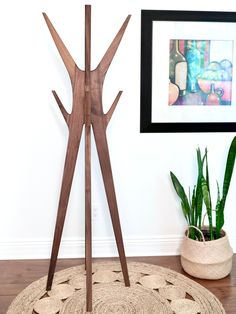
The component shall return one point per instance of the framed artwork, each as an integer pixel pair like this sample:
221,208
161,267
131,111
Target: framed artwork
188,71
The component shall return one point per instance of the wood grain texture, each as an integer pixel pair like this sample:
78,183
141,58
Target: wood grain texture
17,275
64,53
87,110
87,118
104,159
99,123
109,55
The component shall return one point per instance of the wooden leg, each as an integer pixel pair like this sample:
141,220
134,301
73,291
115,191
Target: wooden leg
87,111
88,229
71,156
104,159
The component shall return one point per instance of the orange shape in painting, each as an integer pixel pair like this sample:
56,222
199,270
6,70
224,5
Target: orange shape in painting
173,93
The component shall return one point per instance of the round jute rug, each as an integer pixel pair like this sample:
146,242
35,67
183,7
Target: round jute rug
154,290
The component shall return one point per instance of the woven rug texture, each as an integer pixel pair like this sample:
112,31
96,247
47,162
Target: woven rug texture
154,290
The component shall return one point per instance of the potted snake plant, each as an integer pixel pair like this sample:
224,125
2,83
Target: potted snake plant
206,251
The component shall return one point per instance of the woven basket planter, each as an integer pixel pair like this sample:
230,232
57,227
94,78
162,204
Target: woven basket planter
207,259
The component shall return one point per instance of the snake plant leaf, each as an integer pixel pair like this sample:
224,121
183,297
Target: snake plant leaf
228,170
219,219
193,206
199,197
200,162
208,178
219,213
206,198
226,183
186,214
181,193
205,193
218,192
218,199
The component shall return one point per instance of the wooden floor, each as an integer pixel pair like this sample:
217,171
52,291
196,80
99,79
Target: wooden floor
16,275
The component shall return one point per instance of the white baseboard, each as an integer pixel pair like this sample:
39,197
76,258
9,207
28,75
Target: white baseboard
102,247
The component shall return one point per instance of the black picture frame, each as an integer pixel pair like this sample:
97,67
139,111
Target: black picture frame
147,19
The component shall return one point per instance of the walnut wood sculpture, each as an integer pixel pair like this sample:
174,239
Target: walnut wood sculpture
87,110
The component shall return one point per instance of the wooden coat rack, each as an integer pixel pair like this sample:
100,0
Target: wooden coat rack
87,110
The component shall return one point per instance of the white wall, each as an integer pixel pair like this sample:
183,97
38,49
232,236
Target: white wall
33,136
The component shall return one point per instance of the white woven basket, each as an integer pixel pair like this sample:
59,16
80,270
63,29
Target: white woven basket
207,259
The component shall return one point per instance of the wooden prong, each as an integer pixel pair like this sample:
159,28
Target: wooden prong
88,219
66,56
108,56
105,164
69,168
65,114
109,114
